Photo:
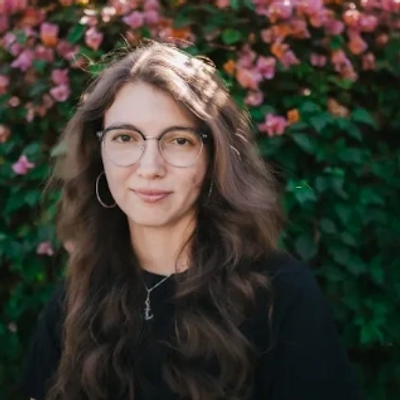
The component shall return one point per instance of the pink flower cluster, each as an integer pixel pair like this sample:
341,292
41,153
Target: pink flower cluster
22,166
251,70
61,91
45,248
274,125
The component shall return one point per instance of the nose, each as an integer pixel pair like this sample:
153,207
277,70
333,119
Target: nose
151,164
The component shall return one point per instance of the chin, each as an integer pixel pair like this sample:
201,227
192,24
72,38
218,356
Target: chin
150,221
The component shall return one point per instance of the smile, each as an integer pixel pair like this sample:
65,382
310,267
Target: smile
151,196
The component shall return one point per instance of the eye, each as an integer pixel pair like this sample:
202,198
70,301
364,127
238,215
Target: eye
123,136
181,141
180,138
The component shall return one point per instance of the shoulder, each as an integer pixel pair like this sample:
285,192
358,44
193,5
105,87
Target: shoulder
45,346
52,316
286,273
294,294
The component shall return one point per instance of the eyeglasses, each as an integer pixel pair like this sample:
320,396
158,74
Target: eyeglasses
179,146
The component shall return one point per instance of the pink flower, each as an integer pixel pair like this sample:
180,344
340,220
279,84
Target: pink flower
11,44
151,17
24,60
153,5
390,5
254,98
44,53
368,23
4,23
45,248
299,29
60,93
368,62
266,66
319,19
47,103
223,3
5,133
89,20
4,82
93,38
334,27
66,50
30,112
49,34
12,6
273,125
14,101
122,7
107,13
318,60
288,59
357,45
343,65
246,57
60,76
279,10
135,20
22,166
32,16
309,7
339,57
248,78
267,35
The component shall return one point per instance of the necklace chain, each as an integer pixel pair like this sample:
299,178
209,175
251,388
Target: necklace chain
148,315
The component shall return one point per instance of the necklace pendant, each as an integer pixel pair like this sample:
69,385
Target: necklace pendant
148,315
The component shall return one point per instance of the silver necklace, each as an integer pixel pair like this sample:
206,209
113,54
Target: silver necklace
148,315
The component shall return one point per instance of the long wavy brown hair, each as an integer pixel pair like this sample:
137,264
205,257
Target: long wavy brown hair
238,224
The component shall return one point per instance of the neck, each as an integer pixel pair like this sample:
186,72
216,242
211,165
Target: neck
160,249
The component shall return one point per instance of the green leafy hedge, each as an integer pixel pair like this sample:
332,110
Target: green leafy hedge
321,81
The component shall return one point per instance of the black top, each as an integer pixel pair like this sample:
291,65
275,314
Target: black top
306,363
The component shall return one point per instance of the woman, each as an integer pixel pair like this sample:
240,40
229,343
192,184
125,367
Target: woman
175,287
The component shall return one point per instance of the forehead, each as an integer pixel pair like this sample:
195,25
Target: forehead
147,108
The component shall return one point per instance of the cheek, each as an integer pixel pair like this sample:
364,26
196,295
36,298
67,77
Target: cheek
115,178
196,180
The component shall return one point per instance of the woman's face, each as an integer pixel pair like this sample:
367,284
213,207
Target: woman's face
151,192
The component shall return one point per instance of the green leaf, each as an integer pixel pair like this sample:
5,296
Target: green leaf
302,191
327,226
352,155
348,239
343,212
231,36
337,42
319,122
305,142
363,116
309,107
40,65
235,4
305,247
32,198
340,82
76,34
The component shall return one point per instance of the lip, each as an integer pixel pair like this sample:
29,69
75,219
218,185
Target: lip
151,196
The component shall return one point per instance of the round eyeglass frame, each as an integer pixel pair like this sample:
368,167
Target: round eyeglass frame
203,136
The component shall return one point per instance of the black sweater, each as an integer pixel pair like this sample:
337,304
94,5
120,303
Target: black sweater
307,361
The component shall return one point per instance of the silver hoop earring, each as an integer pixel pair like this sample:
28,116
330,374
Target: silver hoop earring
98,195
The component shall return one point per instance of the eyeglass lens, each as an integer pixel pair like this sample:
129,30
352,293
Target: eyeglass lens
179,147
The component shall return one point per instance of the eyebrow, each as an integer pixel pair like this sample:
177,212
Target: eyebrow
123,125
